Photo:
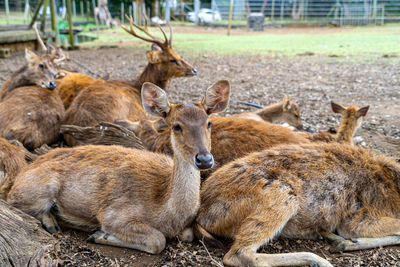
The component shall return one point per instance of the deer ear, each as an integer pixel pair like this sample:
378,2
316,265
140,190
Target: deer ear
50,49
155,47
337,108
362,111
286,103
154,56
217,97
30,56
155,100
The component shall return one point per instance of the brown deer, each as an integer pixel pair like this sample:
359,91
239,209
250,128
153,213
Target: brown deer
12,159
112,100
286,110
38,70
231,138
29,111
137,198
301,191
352,117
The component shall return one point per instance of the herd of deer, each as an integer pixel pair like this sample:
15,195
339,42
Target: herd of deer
259,180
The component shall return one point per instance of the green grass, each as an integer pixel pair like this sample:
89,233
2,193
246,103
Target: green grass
356,42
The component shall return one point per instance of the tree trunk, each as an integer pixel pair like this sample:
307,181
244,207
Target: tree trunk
23,242
103,14
103,134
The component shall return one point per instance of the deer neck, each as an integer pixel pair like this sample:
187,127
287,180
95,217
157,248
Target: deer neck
154,75
19,78
271,113
155,141
346,131
184,197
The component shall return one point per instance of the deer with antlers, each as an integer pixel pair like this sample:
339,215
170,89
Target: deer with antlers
31,110
136,198
112,100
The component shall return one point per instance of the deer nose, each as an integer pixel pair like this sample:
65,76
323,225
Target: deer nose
204,161
194,71
52,85
300,127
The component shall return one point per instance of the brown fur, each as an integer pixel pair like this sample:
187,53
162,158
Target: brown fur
113,100
12,159
32,115
231,138
299,191
69,86
286,110
351,120
38,70
137,198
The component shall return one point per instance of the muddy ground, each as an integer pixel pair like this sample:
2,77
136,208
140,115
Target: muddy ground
312,80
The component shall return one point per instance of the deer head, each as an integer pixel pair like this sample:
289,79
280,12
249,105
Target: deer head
351,116
189,123
291,112
162,55
40,70
59,57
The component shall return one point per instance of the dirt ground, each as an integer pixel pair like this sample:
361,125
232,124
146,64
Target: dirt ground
312,81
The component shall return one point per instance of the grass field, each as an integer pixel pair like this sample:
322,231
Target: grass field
367,42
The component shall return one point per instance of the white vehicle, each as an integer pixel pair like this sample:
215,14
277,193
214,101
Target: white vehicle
206,15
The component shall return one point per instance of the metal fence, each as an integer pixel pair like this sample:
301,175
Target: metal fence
340,12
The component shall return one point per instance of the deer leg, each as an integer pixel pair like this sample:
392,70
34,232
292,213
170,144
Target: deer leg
186,235
365,231
118,229
49,222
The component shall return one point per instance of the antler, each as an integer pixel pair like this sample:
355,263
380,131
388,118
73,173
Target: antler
34,27
167,43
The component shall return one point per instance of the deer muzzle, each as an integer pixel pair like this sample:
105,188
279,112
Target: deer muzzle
204,161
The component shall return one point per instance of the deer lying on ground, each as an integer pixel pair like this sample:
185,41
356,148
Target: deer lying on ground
137,198
301,191
352,118
29,111
112,100
12,159
286,110
38,70
231,138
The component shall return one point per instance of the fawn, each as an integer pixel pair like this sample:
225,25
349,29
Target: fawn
30,113
351,120
137,198
12,159
286,110
301,191
231,138
112,100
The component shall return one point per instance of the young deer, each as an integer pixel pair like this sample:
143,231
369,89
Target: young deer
12,159
231,138
38,70
112,100
351,120
137,198
286,110
302,191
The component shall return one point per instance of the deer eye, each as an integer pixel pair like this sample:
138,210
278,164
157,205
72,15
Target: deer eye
41,66
173,61
209,124
177,128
